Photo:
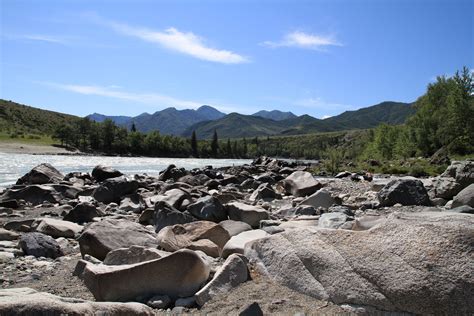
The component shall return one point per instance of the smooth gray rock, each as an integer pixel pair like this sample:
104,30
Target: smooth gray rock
99,238
42,174
232,273
114,189
29,302
57,228
180,274
418,263
166,215
101,173
332,220
208,208
321,198
133,254
299,183
465,197
264,192
446,187
249,214
40,245
235,227
173,197
461,171
34,194
236,244
8,235
405,192
83,213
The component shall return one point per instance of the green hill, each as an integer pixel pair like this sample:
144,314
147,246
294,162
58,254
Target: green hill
19,118
237,125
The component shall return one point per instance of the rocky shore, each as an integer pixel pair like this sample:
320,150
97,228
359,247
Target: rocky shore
264,238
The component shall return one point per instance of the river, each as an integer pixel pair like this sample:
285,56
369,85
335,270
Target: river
13,166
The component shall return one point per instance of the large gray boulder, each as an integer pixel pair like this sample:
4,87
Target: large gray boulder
114,189
208,208
56,228
465,197
35,194
172,238
332,220
99,238
418,263
40,245
321,198
299,183
180,274
166,215
461,171
133,254
236,244
230,274
101,173
29,302
405,192
41,174
235,227
83,213
249,214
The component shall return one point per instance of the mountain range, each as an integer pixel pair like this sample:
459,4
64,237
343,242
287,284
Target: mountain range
206,119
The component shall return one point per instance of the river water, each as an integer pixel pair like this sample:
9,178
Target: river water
13,166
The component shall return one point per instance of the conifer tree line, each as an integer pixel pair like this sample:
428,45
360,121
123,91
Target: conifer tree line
444,120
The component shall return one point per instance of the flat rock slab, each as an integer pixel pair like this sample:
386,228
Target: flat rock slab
237,243
26,302
412,262
180,274
249,214
57,228
99,238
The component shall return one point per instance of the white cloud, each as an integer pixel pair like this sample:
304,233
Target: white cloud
318,103
111,92
303,40
326,116
39,38
184,42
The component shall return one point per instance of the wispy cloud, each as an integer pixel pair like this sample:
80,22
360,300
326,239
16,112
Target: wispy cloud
303,40
152,99
173,39
39,38
116,93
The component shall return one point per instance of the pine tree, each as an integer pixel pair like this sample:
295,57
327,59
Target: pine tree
133,128
194,145
229,148
214,144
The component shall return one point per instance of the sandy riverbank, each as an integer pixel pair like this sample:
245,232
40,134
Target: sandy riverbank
21,148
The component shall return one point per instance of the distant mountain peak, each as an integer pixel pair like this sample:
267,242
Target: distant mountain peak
275,115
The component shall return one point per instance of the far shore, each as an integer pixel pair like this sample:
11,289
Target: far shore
22,148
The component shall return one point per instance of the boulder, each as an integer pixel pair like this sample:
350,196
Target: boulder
298,210
405,192
40,245
232,273
446,187
83,213
461,171
166,215
249,214
131,203
264,192
34,194
8,235
235,227
171,172
113,189
29,302
133,254
99,238
332,220
172,238
237,243
208,208
321,198
101,173
41,174
465,197
180,274
418,263
56,228
299,183
173,197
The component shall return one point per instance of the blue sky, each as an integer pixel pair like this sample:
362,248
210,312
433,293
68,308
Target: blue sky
309,57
